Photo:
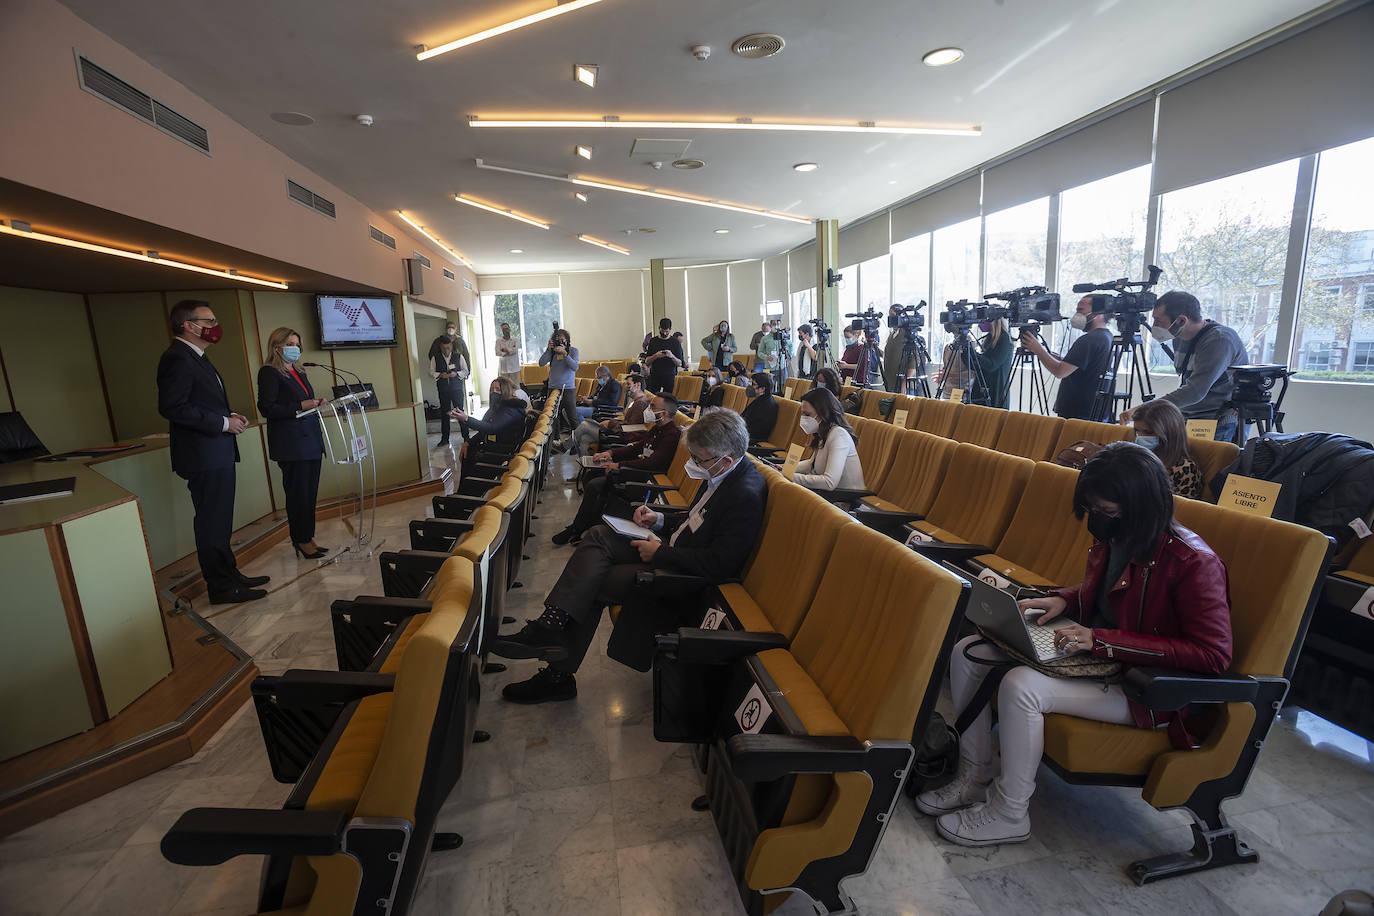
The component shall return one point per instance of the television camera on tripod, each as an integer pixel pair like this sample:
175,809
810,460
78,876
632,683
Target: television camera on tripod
1028,309
911,366
1128,308
868,370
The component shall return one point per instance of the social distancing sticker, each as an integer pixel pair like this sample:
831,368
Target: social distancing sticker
919,537
753,712
1365,606
993,579
713,619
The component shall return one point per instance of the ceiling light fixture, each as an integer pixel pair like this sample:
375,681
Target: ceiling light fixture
585,74
501,211
585,152
857,127
421,229
9,229
580,195
661,195
722,232
517,251
942,57
805,167
600,244
502,29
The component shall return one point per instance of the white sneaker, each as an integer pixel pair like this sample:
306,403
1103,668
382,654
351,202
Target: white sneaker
965,789
981,826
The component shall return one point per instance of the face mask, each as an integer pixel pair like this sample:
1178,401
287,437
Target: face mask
696,471
650,418
1103,527
290,354
1079,321
809,425
212,335
600,382
495,394
985,326
1162,334
1150,442
711,381
451,332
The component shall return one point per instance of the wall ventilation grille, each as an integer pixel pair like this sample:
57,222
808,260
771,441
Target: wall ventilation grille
303,195
100,82
449,274
424,261
467,284
380,236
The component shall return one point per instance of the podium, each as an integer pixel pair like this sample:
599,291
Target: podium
346,418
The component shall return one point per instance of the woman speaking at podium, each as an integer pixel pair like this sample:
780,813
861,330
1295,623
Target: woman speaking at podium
296,445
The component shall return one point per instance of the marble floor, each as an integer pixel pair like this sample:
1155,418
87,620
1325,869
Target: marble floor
573,808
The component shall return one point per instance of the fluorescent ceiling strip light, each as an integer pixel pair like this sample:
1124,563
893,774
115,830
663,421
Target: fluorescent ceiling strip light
135,256
600,244
859,127
644,192
421,229
502,29
511,214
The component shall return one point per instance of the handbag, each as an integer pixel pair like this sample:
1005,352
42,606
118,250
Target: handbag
1078,454
1068,666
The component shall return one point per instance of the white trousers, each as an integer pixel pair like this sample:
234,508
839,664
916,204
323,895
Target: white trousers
1023,698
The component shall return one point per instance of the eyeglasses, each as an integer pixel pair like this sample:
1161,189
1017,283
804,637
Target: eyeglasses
213,321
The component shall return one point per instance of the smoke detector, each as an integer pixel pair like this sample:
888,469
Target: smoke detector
758,45
364,120
688,163
701,52
656,164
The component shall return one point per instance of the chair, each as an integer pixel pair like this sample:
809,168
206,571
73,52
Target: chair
870,403
784,427
803,803
1271,606
977,498
1212,458
979,425
703,364
673,486
911,487
1029,435
876,445
734,398
1088,431
357,829
794,388
938,417
17,441
586,384
911,404
511,496
1044,546
687,389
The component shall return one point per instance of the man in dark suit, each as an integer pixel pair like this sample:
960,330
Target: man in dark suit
202,427
712,540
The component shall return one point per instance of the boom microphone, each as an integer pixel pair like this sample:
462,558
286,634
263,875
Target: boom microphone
1077,287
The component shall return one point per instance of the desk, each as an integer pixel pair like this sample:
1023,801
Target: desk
82,635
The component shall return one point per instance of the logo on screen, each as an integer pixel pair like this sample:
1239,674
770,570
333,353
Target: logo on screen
354,312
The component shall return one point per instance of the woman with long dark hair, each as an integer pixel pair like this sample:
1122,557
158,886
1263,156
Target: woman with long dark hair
834,462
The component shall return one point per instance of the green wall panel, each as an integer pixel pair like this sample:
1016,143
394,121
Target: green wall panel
119,602
41,695
131,332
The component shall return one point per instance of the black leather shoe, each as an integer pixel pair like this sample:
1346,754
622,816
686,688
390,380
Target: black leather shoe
548,685
253,581
566,535
535,640
237,595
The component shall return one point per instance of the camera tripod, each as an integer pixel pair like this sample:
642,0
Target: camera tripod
868,372
962,350
1031,378
914,354
1109,402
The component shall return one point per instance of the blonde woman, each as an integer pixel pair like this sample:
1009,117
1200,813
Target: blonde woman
295,444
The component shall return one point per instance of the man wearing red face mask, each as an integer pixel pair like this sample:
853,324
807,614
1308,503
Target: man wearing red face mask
201,431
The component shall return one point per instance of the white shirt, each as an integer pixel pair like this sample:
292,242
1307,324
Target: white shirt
833,466
698,513
201,353
507,355
439,364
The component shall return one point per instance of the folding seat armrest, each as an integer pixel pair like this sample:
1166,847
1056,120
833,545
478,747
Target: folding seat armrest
952,553
370,609
632,475
302,687
436,533
211,836
416,561
888,522
476,486
490,469
759,451
646,485
456,506
717,647
838,495
663,582
760,758
1168,689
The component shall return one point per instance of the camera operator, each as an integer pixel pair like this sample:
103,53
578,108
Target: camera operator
995,354
1080,370
561,358
807,360
784,338
1203,352
853,348
892,351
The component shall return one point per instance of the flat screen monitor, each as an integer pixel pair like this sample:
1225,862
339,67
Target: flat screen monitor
355,321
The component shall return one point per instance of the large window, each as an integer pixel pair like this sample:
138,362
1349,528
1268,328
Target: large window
802,308
911,270
1226,242
530,314
848,291
1102,230
1336,300
1016,246
955,255
875,283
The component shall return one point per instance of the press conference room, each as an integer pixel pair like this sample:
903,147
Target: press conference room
614,457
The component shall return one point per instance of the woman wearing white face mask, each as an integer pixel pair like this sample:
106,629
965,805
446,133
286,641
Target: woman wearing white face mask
834,462
712,389
295,444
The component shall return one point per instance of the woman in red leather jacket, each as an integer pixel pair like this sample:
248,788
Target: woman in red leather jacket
1153,594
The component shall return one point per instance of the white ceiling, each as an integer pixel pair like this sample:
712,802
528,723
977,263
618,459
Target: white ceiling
1030,67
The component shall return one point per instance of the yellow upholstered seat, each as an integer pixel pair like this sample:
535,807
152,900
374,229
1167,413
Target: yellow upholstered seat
784,427
1087,431
979,493
1212,458
687,388
913,482
1029,435
1044,544
877,447
734,398
938,417
979,425
912,406
869,404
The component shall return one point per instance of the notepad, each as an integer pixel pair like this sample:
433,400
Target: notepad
588,461
628,528
633,427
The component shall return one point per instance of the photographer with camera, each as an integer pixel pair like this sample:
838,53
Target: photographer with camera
663,357
807,359
561,358
1080,370
1203,352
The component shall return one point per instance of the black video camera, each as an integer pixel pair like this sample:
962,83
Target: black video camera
867,321
907,317
1132,300
1255,384
783,336
1027,308
820,330
959,316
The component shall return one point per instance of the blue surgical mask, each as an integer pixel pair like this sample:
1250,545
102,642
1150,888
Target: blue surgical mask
290,354
1150,442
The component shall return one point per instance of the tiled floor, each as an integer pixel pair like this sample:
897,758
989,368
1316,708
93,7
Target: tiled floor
573,808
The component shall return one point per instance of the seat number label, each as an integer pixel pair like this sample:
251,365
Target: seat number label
753,712
713,619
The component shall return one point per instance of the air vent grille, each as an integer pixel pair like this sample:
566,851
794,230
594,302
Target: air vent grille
759,45
449,275
303,195
424,261
101,82
380,236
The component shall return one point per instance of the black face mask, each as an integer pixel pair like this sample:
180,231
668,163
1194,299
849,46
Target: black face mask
1103,527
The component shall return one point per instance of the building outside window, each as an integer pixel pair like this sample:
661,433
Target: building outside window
530,314
1362,356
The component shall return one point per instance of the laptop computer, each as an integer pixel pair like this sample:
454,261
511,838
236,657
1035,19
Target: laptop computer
996,612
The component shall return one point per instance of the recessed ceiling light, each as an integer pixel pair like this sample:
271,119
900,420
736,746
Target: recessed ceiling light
501,211
294,118
421,229
688,164
942,57
615,121
600,244
517,251
805,167
585,74
722,232
580,196
424,53
585,152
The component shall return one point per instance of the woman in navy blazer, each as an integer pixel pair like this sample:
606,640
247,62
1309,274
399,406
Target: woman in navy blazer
296,445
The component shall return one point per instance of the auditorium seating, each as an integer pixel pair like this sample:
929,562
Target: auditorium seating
979,492
687,389
938,417
783,428
1271,606
1044,546
1029,435
1212,457
1088,431
870,404
979,425
909,492
673,487
794,388
912,406
734,398
877,447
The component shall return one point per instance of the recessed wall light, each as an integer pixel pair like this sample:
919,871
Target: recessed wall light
585,74
722,232
585,152
517,251
580,196
942,57
805,167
